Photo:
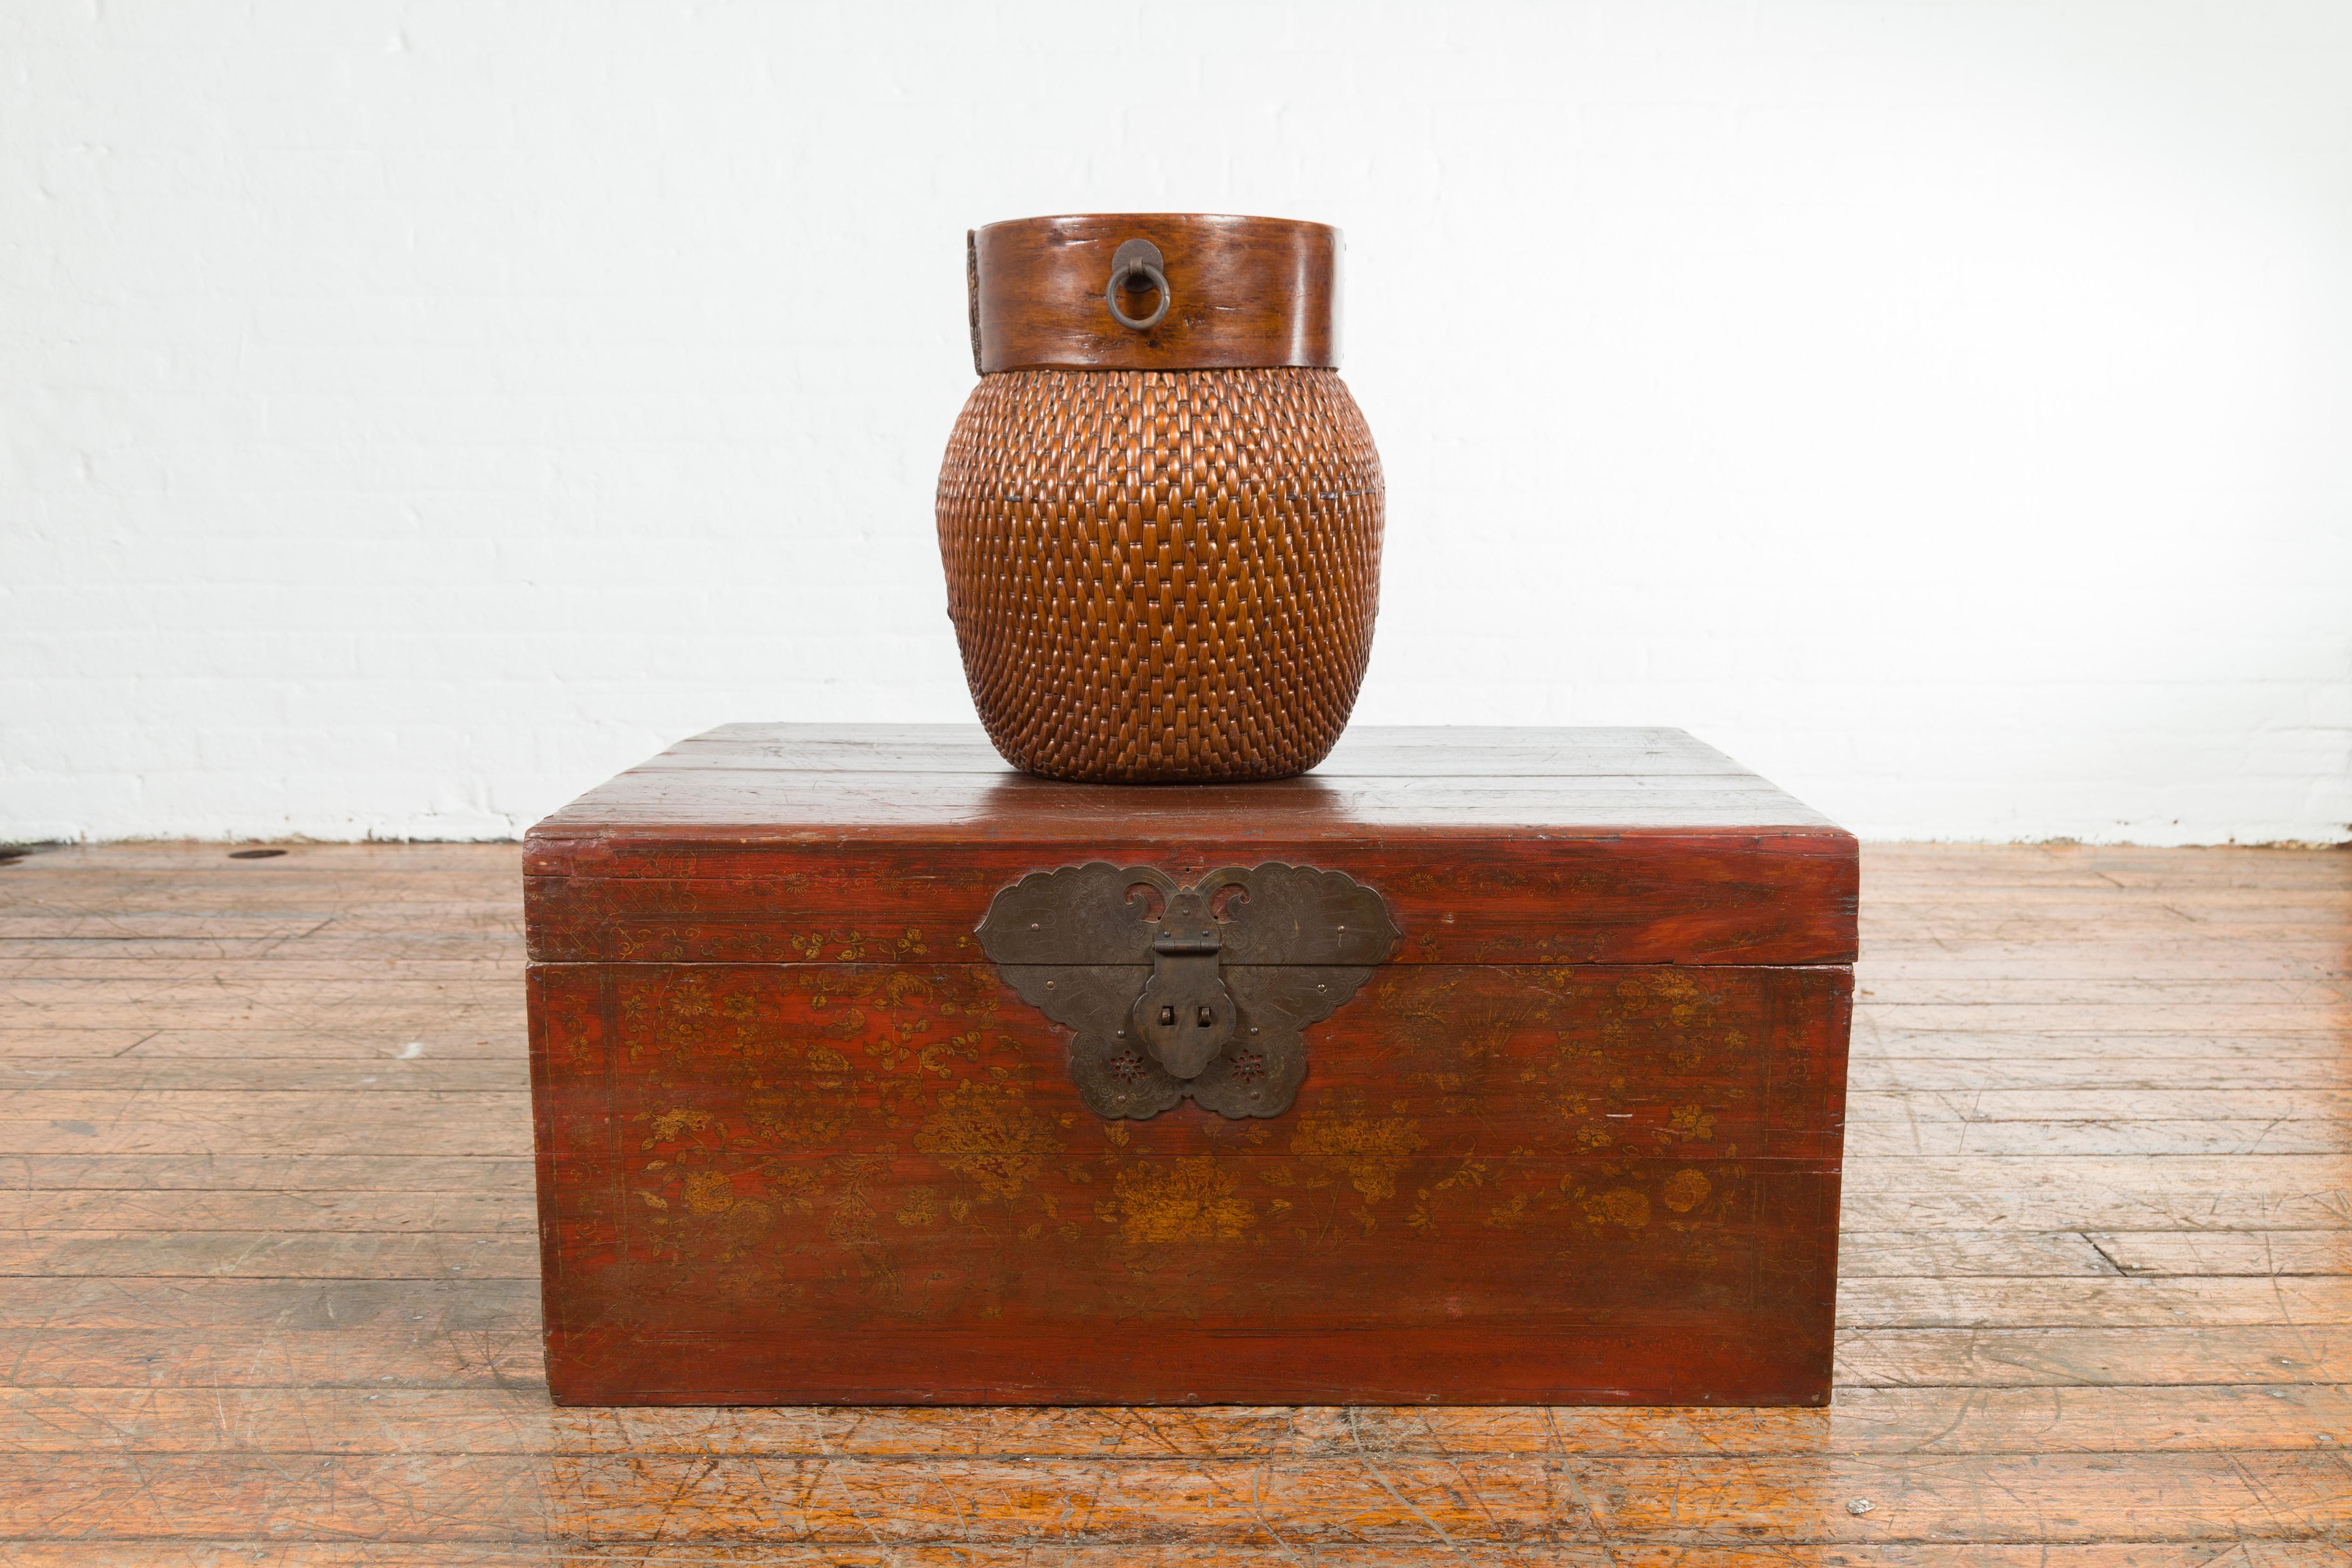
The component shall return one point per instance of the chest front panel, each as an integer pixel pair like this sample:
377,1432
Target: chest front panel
815,1147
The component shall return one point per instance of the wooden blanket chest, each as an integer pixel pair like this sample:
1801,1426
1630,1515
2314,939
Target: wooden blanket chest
1478,1065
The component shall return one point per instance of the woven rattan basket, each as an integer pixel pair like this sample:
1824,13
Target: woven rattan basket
1161,510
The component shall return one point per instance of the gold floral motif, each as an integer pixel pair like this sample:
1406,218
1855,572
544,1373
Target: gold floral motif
1369,1152
690,998
1190,1199
1667,989
797,1116
1622,1206
715,1218
671,1124
795,1188
984,1133
1471,1174
1685,1190
852,1221
1689,1121
935,1057
708,1191
1509,1216
811,945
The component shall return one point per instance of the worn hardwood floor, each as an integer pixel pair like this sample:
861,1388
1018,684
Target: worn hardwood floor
267,1270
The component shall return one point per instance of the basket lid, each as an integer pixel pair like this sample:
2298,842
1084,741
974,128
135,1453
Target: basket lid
1152,291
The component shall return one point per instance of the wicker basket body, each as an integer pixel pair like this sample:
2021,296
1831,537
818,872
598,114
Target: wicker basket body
1162,571
1162,574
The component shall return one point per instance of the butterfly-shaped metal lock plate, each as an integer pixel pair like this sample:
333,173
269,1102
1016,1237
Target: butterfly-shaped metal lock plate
1173,990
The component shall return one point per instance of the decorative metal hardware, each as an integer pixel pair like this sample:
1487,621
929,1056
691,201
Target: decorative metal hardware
1174,992
1137,258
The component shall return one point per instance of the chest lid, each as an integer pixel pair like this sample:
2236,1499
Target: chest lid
865,844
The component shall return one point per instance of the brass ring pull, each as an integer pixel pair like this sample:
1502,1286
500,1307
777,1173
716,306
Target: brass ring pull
1137,258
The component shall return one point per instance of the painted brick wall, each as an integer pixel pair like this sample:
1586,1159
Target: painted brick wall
414,413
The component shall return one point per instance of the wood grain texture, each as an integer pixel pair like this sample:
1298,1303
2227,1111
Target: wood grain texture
1356,1499
194,1412
855,1167
537,1552
701,1553
408,1420
1246,291
1501,1178
767,843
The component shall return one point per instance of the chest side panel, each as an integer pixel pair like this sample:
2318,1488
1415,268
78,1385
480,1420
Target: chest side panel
875,1180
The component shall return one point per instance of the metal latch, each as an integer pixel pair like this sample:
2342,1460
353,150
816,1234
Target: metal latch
1175,992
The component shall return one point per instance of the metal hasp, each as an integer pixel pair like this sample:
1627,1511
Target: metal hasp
1174,991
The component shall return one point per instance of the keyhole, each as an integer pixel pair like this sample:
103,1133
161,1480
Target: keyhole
1205,1020
1167,1015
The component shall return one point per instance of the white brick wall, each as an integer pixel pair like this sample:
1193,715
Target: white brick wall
414,413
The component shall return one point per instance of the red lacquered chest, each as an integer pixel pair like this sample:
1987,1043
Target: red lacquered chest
1477,1065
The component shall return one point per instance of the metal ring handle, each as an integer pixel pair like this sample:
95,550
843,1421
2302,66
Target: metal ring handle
1137,258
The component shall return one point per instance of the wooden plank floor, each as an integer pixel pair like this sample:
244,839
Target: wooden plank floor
266,1274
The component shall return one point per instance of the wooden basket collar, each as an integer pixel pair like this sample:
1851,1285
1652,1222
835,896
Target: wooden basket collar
1244,291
